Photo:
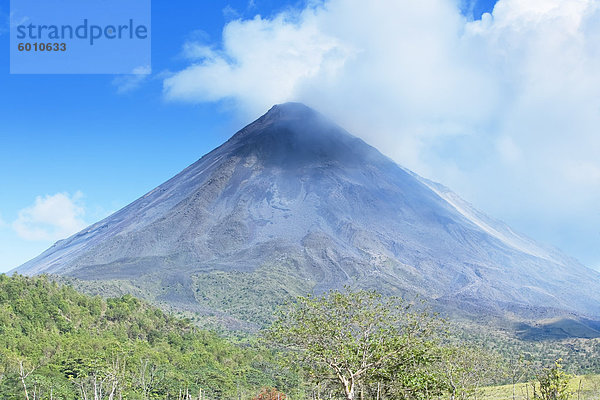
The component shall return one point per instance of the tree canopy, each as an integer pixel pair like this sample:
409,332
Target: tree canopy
57,342
360,341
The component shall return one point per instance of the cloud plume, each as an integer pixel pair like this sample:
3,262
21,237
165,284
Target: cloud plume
504,109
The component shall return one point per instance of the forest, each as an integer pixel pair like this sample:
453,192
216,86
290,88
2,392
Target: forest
60,344
57,343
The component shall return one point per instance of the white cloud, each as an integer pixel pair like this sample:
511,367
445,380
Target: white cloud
261,58
51,217
504,109
127,83
230,12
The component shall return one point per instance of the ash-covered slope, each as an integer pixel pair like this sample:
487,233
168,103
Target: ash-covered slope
293,203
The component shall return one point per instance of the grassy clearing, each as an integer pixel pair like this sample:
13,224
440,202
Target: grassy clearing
586,387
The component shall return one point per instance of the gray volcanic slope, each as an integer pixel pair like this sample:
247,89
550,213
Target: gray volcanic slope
294,203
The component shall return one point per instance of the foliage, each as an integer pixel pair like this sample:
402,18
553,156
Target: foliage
244,301
56,341
553,384
467,369
585,387
360,340
580,356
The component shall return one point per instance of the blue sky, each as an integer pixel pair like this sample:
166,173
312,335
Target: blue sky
70,133
87,145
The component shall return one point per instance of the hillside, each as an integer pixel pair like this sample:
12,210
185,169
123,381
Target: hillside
64,343
68,342
293,204
586,387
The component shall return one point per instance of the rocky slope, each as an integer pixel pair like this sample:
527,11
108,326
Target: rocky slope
292,203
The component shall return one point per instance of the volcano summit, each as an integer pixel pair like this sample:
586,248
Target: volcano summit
293,204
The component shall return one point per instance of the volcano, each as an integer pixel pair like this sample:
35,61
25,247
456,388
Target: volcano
293,204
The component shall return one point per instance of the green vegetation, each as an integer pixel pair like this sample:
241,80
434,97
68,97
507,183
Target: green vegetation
238,304
552,384
355,344
586,387
56,343
60,344
230,301
580,356
359,342
362,345
253,297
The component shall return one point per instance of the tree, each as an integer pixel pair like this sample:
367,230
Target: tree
517,370
553,383
56,343
355,339
466,369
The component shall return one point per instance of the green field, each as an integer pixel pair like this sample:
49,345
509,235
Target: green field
586,387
